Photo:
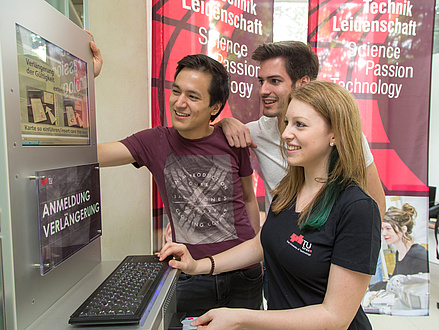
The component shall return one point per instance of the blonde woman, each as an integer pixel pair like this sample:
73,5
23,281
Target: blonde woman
321,239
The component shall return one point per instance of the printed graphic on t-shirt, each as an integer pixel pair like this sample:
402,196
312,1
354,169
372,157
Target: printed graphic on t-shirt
200,194
300,244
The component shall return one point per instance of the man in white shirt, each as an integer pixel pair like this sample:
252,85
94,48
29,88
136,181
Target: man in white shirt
284,66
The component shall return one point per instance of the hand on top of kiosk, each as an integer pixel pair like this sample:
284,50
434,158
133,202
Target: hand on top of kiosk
98,61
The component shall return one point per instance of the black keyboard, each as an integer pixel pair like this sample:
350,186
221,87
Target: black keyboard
125,294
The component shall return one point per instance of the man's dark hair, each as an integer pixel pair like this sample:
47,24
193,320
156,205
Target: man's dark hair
219,85
300,60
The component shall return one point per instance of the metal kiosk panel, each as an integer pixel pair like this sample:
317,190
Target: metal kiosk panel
57,104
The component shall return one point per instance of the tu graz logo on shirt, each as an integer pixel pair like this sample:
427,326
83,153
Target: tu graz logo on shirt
300,244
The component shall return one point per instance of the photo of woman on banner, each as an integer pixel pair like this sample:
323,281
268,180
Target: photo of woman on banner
407,289
410,257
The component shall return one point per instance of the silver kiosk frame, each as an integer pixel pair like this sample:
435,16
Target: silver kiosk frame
29,300
28,294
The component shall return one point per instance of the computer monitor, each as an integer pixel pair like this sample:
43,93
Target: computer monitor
54,108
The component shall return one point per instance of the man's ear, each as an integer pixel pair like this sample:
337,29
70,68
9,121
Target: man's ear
302,81
215,108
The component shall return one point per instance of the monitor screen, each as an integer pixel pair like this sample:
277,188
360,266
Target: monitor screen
54,106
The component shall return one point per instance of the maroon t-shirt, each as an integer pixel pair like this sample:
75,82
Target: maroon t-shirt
199,183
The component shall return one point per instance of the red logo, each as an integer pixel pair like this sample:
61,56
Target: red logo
44,181
295,238
306,247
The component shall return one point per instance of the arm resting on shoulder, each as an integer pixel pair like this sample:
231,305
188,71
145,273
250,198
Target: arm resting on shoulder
113,154
251,203
345,291
375,188
236,133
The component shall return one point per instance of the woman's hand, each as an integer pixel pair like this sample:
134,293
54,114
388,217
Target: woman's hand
221,318
183,259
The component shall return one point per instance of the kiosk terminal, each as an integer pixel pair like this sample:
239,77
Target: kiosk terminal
50,205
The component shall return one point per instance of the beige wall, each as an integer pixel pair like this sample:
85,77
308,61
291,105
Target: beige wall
122,93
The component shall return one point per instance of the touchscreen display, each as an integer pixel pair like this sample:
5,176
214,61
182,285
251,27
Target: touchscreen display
54,106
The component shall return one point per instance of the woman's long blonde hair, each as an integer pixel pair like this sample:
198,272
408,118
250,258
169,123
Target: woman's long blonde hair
346,162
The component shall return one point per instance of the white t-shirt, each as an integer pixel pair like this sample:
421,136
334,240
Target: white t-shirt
265,133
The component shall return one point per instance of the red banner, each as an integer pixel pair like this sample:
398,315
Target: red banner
381,52
226,30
